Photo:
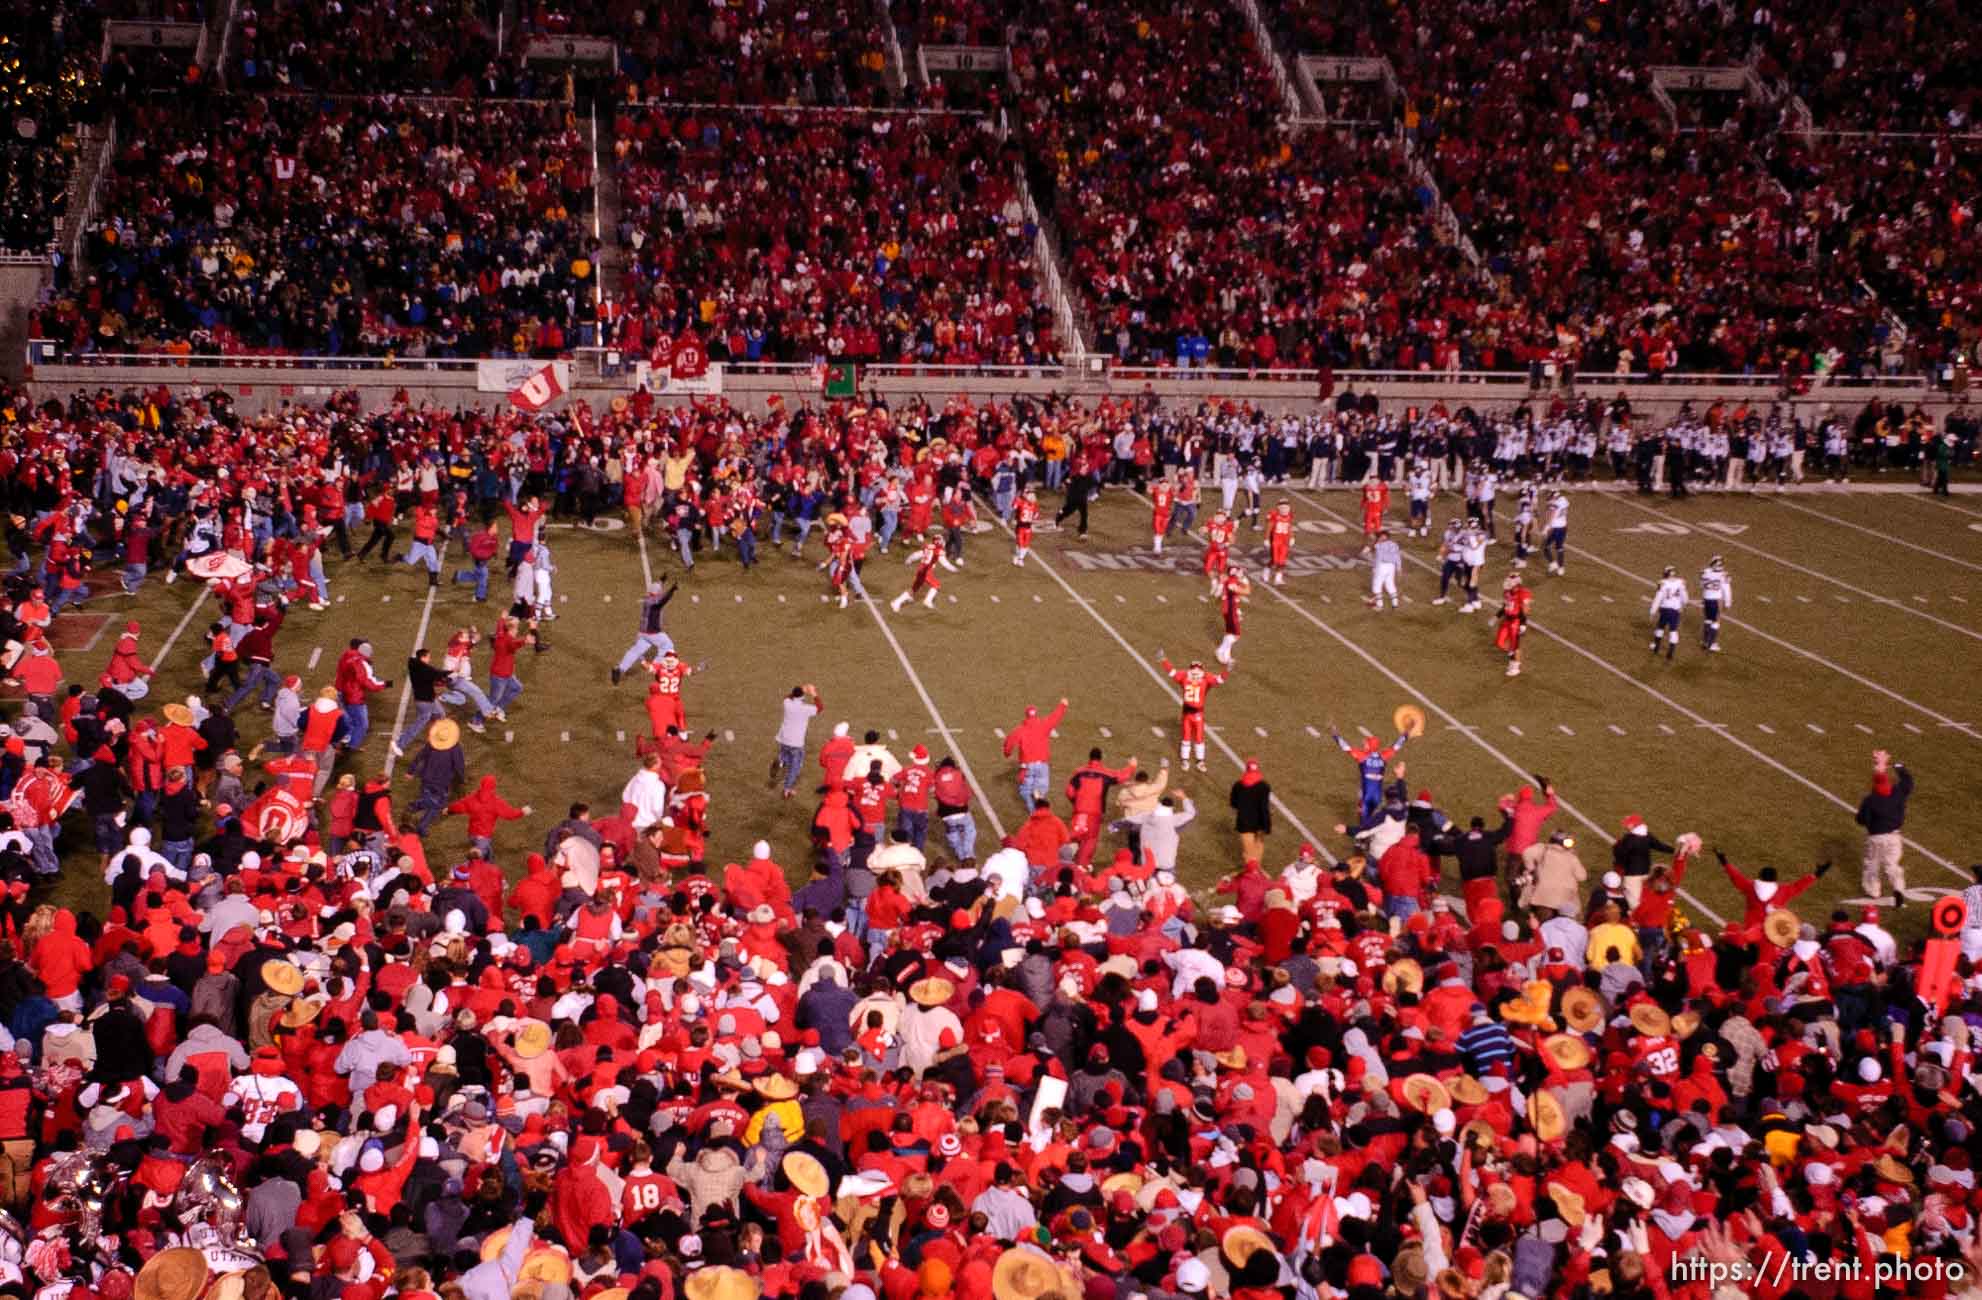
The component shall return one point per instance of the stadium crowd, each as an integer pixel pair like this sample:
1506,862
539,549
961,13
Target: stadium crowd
341,226
844,237
639,1060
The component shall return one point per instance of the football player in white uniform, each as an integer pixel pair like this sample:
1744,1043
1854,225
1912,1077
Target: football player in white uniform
1667,602
1716,594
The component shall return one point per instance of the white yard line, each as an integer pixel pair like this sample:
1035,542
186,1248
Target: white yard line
647,569
1931,500
1211,733
1818,574
179,630
935,714
1884,537
419,639
1790,646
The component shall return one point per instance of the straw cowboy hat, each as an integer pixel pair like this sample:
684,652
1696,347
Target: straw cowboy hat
1568,1204
282,977
1567,1051
1781,926
1467,1091
932,991
1129,1181
1021,1273
1650,1020
1409,719
301,1012
1686,1024
532,1040
1403,975
444,735
721,1284
1242,1242
775,1087
806,1175
179,1273
1545,1114
1232,1058
178,715
1426,1094
1582,1009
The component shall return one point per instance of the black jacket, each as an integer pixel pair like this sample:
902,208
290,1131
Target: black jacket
1882,814
425,678
1253,805
1477,852
1631,854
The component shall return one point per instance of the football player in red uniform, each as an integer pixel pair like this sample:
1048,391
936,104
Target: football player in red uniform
1025,518
926,584
1279,542
1514,602
1162,496
1218,548
1194,684
1233,589
1376,500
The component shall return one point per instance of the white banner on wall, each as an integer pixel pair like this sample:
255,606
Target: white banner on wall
707,384
507,376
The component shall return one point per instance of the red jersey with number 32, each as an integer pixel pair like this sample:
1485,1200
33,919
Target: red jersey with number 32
1658,1057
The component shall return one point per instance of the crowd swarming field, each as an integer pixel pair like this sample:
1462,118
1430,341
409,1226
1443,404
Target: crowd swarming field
1856,624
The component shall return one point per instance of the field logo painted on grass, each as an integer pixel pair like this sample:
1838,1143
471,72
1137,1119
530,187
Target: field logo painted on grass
1660,528
1299,565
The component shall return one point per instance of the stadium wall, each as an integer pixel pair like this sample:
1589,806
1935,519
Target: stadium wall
264,386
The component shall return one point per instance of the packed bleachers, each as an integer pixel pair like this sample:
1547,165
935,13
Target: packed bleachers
354,226
813,52
790,236
432,47
1899,214
1196,227
1866,66
49,82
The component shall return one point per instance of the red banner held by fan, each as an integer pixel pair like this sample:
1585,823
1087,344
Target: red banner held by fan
691,359
538,391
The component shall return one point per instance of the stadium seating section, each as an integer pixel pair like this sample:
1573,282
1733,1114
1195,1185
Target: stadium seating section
1821,218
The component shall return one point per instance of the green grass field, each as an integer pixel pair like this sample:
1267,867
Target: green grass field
1857,624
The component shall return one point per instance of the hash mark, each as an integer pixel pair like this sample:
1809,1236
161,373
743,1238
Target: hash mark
781,598
1157,732
1516,730
995,600
386,599
1107,734
315,655
1814,728
1766,600
694,599
1606,600
1568,599
1259,731
1120,599
1765,729
1664,728
729,737
1314,733
1910,727
1804,599
1564,729
892,735
1616,730
564,736
1162,599
1862,727
621,736
739,598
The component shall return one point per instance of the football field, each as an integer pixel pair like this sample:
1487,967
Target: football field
1856,624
